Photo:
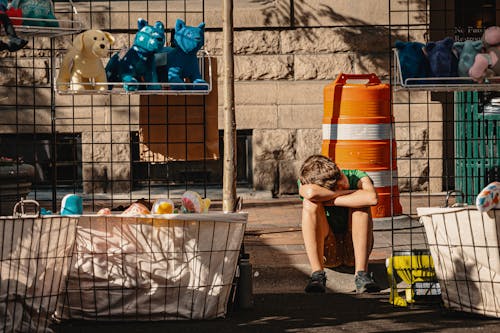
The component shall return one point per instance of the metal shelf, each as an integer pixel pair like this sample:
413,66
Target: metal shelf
66,27
166,88
436,84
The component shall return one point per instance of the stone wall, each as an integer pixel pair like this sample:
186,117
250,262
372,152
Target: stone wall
281,67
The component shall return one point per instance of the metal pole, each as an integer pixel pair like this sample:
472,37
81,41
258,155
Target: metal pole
229,175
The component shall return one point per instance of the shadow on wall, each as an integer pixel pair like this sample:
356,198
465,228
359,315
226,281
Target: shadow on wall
352,30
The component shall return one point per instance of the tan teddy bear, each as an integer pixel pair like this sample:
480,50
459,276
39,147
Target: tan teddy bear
82,64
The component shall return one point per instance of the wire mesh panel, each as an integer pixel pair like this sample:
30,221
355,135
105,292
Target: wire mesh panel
465,247
153,268
35,254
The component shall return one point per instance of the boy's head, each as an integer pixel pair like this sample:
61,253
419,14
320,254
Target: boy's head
320,170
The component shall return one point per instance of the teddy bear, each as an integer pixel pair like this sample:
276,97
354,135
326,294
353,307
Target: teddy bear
467,51
37,12
178,62
137,63
486,63
15,43
412,59
442,60
82,63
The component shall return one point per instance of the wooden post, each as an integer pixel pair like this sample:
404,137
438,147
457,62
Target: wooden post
229,175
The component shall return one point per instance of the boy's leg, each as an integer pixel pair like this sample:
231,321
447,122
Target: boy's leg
362,237
314,231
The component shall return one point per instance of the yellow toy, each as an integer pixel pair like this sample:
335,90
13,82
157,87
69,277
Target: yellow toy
163,206
411,267
82,64
192,202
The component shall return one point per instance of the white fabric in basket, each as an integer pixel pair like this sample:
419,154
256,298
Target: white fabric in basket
154,267
464,245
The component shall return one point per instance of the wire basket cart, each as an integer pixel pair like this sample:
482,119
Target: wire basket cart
168,267
35,255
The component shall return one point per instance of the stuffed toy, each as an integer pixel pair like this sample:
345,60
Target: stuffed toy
414,63
179,61
137,64
192,202
71,204
467,51
37,9
82,63
15,43
163,206
489,197
135,209
486,64
442,60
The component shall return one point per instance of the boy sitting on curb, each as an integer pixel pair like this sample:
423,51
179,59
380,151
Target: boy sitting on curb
333,197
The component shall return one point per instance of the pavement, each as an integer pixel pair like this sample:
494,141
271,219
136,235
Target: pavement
280,272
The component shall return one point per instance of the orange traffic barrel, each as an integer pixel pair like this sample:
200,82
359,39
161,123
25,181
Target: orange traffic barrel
358,134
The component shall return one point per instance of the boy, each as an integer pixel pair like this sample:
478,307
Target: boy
324,187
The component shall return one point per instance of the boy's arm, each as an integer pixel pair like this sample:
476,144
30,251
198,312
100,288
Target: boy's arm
365,196
316,193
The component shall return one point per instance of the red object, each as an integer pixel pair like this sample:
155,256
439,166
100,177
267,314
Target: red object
15,15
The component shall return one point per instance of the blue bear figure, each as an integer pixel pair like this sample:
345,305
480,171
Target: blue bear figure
414,63
179,61
137,64
37,9
443,61
71,204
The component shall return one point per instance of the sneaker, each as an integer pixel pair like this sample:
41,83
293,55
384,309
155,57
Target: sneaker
365,283
317,283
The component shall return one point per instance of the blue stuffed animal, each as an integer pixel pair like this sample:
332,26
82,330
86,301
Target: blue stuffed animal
467,51
443,61
137,64
414,63
37,9
179,61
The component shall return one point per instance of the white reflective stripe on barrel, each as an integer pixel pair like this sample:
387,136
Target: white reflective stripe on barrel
357,132
383,178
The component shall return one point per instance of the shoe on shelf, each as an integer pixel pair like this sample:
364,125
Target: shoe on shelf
365,283
16,43
317,283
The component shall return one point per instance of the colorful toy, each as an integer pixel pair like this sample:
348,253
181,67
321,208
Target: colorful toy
442,60
163,206
137,64
104,211
82,64
71,204
34,10
486,64
15,43
489,197
192,202
467,52
414,63
136,209
179,61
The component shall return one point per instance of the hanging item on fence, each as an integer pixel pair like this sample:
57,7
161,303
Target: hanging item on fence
82,64
178,62
487,64
137,64
15,43
467,51
192,202
37,12
489,197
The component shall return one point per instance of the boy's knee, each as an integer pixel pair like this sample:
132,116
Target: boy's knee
312,207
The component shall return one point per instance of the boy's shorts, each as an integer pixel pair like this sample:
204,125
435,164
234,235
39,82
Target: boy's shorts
338,218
